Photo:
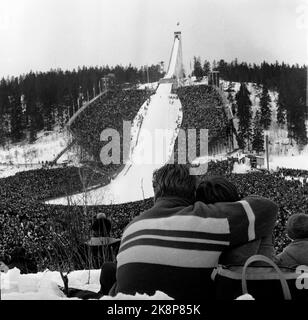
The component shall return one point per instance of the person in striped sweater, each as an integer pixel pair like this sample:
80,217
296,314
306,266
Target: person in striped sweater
174,246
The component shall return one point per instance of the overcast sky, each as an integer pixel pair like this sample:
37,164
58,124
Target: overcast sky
42,34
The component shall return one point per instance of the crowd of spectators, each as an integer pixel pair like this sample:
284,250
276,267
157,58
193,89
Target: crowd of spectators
109,111
203,109
293,173
25,220
290,195
29,223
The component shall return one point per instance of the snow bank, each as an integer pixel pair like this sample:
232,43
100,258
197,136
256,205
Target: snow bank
11,170
293,162
150,85
241,168
157,296
245,297
44,286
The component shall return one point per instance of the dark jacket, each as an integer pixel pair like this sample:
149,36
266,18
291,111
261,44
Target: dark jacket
239,254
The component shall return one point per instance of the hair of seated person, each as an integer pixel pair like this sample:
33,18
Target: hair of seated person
217,189
297,226
174,180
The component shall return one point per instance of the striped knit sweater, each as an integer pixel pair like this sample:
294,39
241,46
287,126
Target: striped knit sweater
174,246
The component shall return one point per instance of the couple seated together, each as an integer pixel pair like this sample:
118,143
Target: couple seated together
192,227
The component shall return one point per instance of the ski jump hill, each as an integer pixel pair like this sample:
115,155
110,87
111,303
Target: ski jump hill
149,148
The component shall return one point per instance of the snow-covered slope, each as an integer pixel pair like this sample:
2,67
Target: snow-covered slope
24,156
151,147
45,148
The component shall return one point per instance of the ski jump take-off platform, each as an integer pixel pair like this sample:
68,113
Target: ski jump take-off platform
152,142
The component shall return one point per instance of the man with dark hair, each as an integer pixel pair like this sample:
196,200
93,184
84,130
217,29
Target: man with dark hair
174,246
174,180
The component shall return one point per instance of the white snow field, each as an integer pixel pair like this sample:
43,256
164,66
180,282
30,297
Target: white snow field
23,156
44,286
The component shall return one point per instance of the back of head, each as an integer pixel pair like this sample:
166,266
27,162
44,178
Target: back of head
101,225
174,180
217,189
297,226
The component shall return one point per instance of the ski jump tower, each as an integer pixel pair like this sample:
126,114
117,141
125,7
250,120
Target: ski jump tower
175,73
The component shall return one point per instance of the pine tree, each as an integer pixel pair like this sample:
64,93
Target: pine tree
206,67
3,103
214,65
244,114
16,113
2,131
281,116
258,133
198,72
230,97
240,140
266,112
16,120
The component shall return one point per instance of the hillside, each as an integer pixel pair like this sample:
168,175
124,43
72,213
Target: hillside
283,151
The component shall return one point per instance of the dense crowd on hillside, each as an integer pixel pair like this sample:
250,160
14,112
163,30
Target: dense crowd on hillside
294,173
26,222
109,111
290,195
203,108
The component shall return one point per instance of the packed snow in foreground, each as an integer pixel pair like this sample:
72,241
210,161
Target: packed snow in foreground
44,286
